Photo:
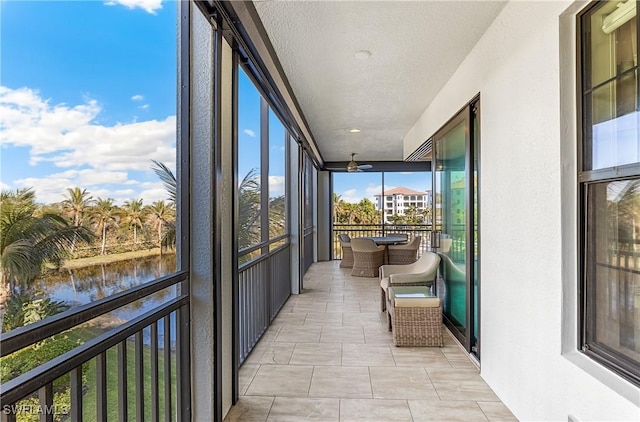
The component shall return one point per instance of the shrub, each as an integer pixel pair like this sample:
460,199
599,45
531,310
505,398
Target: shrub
31,357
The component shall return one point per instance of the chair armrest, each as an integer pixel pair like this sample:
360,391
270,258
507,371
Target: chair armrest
407,278
388,269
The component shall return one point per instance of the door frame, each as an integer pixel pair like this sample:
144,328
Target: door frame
470,114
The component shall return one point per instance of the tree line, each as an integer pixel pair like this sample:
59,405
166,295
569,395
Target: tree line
32,234
365,213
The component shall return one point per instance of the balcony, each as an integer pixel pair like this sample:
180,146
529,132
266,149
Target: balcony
329,356
272,329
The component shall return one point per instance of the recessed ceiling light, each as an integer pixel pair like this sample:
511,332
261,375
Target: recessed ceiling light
354,130
362,54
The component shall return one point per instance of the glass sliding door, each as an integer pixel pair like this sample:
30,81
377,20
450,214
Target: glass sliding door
455,219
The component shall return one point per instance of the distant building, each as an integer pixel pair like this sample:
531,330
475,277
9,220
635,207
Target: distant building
398,200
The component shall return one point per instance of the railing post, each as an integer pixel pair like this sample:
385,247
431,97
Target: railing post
139,373
45,398
122,382
76,394
101,386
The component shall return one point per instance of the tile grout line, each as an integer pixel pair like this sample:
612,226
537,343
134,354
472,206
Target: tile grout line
479,407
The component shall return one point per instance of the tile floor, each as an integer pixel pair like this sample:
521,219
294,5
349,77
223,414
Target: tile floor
329,357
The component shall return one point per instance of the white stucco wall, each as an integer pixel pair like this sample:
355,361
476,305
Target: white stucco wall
527,262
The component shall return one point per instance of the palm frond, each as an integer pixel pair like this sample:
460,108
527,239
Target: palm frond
167,177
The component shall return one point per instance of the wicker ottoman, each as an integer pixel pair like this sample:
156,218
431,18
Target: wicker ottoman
414,316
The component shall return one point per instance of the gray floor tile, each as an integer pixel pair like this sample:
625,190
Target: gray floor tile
294,409
367,410
281,380
250,409
450,411
317,354
340,382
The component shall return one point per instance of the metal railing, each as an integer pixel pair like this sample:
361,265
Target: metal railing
264,286
366,230
159,336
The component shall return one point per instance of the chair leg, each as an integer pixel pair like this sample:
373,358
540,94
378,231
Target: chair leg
383,300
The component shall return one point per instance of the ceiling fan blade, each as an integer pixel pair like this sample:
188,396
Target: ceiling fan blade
365,166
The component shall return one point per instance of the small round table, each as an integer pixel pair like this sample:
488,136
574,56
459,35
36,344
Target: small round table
388,240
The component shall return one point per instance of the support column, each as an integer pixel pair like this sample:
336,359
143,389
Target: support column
204,245
323,225
295,221
226,197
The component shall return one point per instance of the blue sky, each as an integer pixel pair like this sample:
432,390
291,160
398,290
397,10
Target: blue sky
87,96
88,99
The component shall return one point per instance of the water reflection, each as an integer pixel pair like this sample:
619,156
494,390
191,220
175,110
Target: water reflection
84,285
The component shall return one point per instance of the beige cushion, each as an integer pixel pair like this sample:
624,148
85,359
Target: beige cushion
413,302
424,269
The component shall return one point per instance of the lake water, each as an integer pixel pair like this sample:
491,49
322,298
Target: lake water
84,285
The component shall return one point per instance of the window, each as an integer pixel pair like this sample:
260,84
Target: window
609,187
277,177
249,160
262,163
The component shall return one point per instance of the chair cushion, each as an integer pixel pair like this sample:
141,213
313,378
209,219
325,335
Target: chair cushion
416,302
412,302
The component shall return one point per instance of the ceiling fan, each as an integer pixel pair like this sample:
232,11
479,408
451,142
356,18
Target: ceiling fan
353,167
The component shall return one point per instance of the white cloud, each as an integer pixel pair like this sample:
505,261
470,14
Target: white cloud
351,195
137,97
355,195
152,195
250,133
144,106
372,190
90,155
276,185
69,136
4,186
151,6
52,188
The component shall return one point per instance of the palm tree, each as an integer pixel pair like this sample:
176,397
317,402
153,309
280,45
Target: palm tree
133,216
166,175
105,215
159,215
76,203
29,239
171,185
249,210
277,216
338,208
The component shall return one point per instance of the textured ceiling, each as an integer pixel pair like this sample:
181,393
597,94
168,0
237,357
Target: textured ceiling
415,48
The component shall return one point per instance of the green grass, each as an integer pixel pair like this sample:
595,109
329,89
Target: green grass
89,398
106,259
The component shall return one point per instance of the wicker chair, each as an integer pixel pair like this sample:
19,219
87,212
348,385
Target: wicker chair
404,254
367,257
347,253
421,273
